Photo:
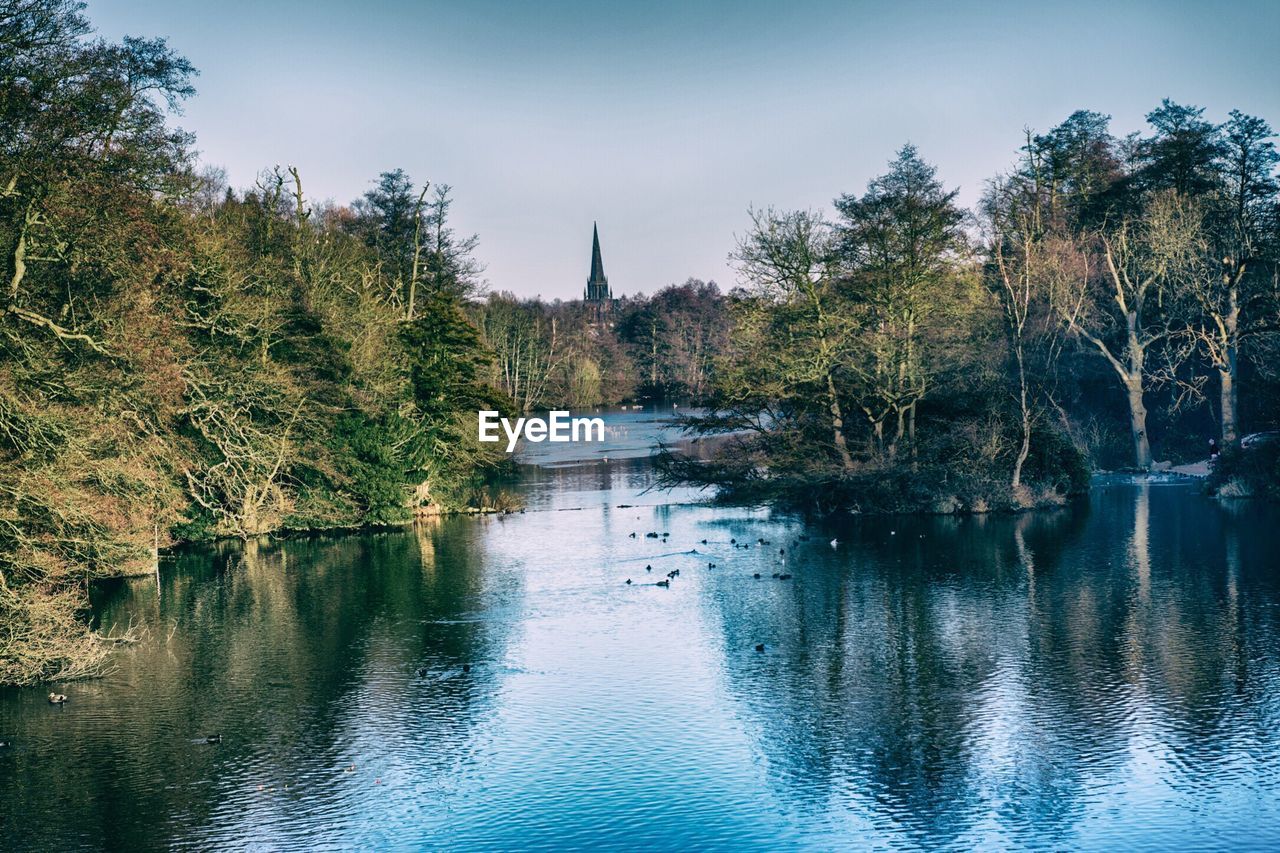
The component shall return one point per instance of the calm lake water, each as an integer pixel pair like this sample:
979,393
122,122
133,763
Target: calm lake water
1104,676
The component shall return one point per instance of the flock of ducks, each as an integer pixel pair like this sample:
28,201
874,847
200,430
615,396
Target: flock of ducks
760,542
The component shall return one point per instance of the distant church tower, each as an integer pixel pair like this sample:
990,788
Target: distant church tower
597,296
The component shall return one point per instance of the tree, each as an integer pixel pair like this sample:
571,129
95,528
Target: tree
787,258
1112,287
88,169
1124,258
1182,155
1231,300
449,265
446,361
1013,216
82,129
527,347
1075,168
413,237
673,337
898,244
390,219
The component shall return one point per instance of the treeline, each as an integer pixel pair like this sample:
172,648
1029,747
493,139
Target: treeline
908,354
558,354
179,361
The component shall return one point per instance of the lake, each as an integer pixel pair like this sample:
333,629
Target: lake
1102,676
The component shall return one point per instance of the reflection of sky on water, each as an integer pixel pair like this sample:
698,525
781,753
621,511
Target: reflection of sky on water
1103,676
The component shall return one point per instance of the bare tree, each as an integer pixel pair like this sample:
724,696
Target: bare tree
787,257
1013,216
1112,286
527,347
1229,292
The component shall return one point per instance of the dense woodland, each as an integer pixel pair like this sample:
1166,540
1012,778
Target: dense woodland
181,360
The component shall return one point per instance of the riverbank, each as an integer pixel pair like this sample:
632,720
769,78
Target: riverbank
1252,472
1199,469
770,467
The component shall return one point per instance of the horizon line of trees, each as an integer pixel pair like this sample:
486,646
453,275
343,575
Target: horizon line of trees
556,354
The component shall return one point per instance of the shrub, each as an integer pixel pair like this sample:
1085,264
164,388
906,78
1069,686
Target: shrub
1254,472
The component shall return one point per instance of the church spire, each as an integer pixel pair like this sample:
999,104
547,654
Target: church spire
598,283
597,264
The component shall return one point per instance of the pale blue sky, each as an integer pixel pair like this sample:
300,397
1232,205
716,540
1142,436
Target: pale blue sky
664,121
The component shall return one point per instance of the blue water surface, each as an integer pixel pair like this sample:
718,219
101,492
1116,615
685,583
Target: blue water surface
1103,676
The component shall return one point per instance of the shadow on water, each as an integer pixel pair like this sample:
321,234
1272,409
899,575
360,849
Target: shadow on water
1095,677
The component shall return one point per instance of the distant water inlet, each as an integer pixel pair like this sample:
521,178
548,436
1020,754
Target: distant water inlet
630,668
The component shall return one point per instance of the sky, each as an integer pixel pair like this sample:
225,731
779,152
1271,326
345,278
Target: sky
665,121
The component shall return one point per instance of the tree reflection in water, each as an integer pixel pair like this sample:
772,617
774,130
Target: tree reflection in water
958,680
1098,676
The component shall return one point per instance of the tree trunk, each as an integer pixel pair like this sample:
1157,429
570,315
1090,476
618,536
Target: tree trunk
1025,449
417,254
898,433
653,355
1138,423
1137,357
1231,346
837,427
911,431
19,267
1227,375
20,255
1228,370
